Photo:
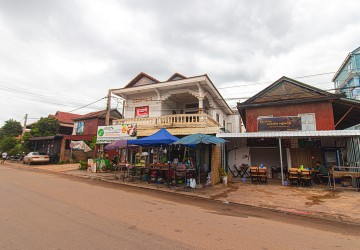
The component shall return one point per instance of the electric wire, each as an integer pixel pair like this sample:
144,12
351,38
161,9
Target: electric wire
69,102
88,104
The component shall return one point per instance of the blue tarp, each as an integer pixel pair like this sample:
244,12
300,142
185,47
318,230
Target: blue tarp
199,138
162,137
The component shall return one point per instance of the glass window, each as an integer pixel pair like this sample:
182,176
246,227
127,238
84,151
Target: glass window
308,122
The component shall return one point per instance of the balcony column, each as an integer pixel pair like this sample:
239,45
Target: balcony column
201,105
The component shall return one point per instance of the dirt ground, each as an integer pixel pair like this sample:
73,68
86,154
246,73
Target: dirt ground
51,210
318,201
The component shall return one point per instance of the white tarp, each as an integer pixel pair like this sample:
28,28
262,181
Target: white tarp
80,145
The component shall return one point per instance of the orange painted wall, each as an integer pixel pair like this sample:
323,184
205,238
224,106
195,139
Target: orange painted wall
323,114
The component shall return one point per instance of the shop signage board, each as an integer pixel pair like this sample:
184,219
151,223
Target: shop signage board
142,112
111,133
280,123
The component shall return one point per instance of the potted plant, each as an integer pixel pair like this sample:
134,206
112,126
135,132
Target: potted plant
223,175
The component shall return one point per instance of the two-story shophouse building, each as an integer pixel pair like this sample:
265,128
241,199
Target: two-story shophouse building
291,123
182,105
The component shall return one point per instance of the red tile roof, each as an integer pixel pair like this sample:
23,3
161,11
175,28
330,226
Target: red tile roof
65,117
99,114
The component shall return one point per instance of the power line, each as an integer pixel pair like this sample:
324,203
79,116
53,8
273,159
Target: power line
88,104
264,82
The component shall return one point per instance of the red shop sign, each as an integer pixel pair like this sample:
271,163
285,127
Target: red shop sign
142,111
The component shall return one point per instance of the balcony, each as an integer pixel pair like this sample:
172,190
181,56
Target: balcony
179,124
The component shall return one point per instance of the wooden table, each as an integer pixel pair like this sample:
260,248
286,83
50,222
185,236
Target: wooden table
343,171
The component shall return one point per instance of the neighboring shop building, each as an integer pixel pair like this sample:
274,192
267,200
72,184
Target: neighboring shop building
51,145
305,122
182,105
75,128
347,78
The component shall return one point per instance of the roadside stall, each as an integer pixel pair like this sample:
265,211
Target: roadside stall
153,159
196,140
119,151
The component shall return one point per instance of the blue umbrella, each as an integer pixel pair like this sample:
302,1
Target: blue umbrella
200,138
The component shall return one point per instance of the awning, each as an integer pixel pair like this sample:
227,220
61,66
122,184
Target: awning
40,138
199,138
292,134
162,137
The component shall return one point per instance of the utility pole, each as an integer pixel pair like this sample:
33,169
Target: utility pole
107,120
25,121
108,104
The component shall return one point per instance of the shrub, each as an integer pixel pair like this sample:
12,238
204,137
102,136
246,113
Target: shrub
83,165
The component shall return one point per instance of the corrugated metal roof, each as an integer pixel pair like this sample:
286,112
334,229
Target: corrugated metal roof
292,134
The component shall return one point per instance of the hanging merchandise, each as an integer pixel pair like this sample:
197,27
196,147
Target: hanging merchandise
153,175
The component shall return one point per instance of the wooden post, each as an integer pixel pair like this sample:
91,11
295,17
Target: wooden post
281,163
107,120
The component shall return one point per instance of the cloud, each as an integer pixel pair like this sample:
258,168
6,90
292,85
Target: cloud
77,50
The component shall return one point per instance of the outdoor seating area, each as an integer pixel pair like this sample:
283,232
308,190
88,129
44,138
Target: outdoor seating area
160,158
241,171
258,174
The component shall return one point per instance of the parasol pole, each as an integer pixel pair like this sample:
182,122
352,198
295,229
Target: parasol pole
198,165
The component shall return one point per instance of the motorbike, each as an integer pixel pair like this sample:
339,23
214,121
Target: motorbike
16,158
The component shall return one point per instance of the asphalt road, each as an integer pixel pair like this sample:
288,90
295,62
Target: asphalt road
40,210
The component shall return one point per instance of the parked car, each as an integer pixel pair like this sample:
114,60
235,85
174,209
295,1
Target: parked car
36,157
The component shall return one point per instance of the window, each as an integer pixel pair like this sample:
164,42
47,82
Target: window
308,122
80,128
349,66
217,118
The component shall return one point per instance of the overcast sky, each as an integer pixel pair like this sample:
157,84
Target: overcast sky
61,55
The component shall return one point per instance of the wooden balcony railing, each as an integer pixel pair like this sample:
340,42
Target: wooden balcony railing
172,121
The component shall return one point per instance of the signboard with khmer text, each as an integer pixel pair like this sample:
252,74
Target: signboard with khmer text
280,123
111,133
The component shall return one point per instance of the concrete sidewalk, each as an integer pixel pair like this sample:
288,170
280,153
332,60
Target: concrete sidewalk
318,201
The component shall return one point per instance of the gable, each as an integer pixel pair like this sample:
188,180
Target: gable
176,76
143,81
286,91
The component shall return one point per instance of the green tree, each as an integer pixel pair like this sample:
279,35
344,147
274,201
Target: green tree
45,127
7,143
11,128
26,142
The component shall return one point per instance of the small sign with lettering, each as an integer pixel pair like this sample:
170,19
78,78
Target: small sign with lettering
280,123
